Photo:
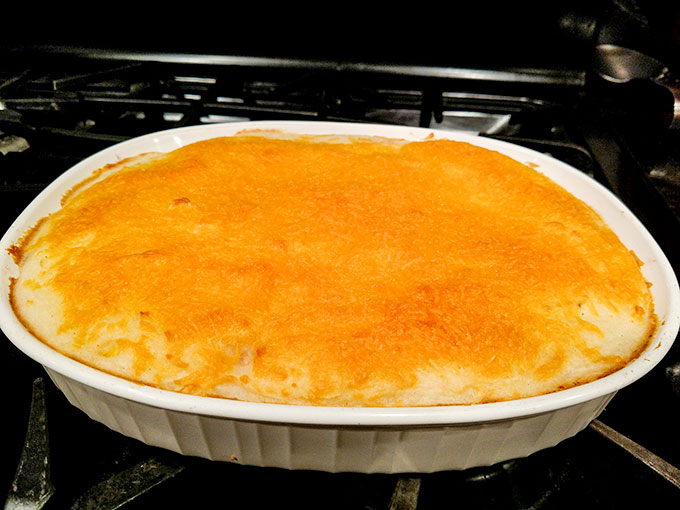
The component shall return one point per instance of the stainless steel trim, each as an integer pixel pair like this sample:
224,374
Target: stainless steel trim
512,75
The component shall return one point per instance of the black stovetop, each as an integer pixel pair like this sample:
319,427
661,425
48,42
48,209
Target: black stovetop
70,104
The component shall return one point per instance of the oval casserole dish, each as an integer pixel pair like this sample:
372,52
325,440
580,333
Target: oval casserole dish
337,439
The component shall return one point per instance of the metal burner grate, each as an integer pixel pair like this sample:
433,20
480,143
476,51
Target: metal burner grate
123,473
70,113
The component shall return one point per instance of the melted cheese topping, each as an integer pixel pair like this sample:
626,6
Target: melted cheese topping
334,272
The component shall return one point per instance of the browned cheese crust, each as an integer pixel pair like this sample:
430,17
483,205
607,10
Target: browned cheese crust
351,272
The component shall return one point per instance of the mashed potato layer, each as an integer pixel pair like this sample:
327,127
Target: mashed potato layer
323,271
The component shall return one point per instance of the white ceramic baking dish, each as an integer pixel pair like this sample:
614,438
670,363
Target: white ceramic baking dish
333,439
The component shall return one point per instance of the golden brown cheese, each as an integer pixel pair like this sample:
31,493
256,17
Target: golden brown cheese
317,271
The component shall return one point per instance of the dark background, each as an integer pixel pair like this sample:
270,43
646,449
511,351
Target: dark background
474,33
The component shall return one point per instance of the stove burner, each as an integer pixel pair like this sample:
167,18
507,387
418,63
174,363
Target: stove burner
60,108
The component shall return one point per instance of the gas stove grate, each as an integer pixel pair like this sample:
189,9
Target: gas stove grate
71,114
56,112
131,475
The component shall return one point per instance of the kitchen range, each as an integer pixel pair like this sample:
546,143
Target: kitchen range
609,111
